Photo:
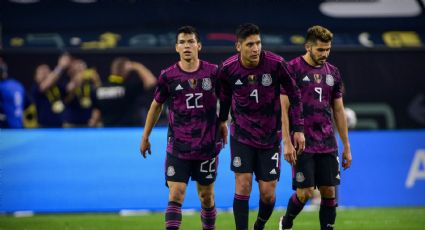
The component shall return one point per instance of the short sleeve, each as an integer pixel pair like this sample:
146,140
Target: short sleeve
162,91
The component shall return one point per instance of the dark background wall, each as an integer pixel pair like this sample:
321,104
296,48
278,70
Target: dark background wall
380,55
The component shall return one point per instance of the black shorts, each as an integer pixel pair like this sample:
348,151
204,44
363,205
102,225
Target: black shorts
265,163
179,170
315,170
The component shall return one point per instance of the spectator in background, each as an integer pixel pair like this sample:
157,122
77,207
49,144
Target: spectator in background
80,96
119,98
12,96
48,94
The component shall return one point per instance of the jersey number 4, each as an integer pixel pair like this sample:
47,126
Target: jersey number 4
193,100
254,94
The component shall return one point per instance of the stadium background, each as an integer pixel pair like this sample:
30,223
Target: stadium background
378,48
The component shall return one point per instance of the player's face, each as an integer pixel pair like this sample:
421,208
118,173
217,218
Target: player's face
187,46
319,51
41,73
250,50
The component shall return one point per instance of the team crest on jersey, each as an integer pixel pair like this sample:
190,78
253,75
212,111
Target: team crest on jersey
317,78
171,171
237,162
193,83
300,177
266,80
252,79
330,80
206,84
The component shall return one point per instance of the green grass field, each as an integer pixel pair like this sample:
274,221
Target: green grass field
378,218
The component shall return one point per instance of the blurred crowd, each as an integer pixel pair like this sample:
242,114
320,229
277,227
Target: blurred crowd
72,94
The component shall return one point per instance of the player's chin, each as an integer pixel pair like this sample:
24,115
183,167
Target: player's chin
187,58
254,59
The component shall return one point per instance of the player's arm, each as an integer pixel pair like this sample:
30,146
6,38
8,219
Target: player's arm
153,116
341,125
288,149
225,97
294,95
63,63
145,74
94,117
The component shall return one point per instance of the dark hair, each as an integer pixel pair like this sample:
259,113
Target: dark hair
320,33
188,30
245,30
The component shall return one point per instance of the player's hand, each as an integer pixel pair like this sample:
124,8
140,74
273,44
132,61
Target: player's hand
289,153
346,158
299,141
64,60
145,145
223,131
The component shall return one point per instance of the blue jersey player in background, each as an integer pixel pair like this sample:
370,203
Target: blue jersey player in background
12,100
193,143
318,165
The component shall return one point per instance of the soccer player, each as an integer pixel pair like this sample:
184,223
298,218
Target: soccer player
12,98
250,84
192,146
318,166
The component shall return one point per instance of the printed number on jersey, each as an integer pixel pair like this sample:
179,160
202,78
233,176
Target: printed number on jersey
254,94
318,90
193,100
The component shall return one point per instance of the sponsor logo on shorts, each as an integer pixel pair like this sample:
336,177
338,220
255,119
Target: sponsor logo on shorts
210,176
273,172
300,177
237,162
171,171
338,177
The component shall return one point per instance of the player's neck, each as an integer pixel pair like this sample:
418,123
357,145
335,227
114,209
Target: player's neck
189,65
249,64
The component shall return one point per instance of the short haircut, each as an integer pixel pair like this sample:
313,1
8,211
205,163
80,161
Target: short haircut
118,65
320,33
245,30
188,30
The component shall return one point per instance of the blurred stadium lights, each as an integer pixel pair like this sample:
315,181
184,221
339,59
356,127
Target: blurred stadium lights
356,24
371,9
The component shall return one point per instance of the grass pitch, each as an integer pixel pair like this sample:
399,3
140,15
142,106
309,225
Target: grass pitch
347,219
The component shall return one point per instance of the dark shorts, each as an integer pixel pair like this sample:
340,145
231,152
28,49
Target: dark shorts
315,170
265,163
202,171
